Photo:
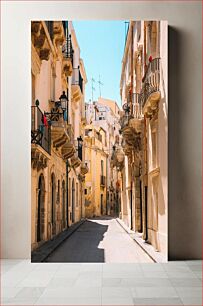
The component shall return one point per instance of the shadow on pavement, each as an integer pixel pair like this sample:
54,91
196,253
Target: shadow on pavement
83,245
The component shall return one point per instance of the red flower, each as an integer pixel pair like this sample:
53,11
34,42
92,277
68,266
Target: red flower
150,59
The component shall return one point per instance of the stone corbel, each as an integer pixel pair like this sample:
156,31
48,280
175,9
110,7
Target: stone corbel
59,37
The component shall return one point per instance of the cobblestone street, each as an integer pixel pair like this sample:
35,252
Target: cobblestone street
99,240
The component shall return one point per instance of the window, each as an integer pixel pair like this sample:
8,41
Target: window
102,167
85,190
154,149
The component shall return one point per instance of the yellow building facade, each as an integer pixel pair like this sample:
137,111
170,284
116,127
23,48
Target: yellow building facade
57,129
143,90
95,179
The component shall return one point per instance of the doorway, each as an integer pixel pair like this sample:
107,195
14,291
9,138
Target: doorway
40,209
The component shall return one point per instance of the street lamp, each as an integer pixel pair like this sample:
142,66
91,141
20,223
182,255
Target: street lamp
63,101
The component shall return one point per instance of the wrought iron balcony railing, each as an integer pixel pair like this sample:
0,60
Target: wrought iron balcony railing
67,49
102,180
151,81
77,78
40,130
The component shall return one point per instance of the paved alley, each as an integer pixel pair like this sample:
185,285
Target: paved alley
99,240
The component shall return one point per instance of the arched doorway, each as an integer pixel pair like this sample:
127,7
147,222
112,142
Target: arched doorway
40,208
73,201
63,204
53,201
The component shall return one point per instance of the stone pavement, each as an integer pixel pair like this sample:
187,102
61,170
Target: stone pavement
99,240
41,253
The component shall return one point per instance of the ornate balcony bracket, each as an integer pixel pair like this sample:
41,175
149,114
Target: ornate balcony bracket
67,67
59,136
59,36
40,41
39,158
84,169
151,106
75,162
68,150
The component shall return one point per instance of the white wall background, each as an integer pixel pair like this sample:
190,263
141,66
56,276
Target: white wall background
184,18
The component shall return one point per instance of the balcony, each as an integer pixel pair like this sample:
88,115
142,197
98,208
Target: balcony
117,158
150,94
102,181
40,139
68,150
59,134
75,161
77,84
84,169
67,51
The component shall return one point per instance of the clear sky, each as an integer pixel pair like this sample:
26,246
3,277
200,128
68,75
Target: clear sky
102,46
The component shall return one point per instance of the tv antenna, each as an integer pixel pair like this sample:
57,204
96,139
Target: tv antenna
100,84
93,88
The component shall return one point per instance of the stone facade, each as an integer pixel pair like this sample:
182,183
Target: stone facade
143,89
57,154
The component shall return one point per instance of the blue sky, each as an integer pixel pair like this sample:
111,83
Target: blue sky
102,45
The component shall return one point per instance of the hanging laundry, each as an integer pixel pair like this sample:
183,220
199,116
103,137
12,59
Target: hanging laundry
45,121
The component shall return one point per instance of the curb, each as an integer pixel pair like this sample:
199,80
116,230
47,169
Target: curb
129,232
41,253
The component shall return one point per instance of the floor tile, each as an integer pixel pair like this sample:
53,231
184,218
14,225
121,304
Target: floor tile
22,301
112,282
185,282
152,267
69,301
30,292
178,274
146,282
192,301
9,292
117,301
61,282
189,291
154,292
193,262
155,274
115,292
157,301
73,292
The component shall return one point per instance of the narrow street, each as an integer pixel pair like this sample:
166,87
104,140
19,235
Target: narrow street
99,240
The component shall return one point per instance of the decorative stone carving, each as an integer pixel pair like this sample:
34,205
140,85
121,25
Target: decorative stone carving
59,36
40,40
38,159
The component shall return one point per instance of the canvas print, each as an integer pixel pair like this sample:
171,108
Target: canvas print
99,134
